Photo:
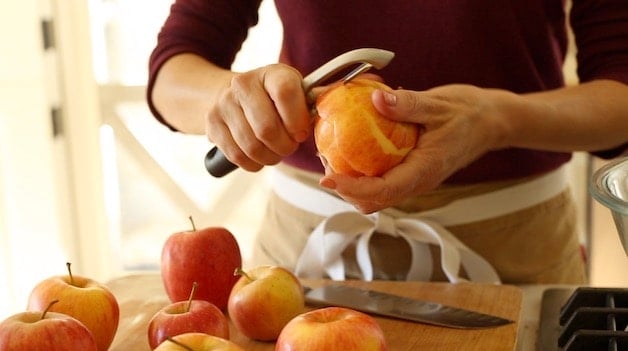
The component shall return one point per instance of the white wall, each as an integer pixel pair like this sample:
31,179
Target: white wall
31,241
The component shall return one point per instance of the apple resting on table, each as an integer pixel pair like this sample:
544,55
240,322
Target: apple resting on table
352,137
197,342
186,317
264,300
331,329
82,298
207,256
45,331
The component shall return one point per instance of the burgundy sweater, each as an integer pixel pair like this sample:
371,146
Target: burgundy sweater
518,45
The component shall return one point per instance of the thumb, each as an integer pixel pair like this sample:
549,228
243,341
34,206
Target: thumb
399,105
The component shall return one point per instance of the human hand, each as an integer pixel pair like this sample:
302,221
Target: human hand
459,124
260,117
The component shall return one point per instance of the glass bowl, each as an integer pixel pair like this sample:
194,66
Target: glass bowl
609,186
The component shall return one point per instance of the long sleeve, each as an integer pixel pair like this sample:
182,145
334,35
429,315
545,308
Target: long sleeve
601,34
213,29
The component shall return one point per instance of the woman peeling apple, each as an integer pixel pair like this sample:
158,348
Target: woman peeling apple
481,196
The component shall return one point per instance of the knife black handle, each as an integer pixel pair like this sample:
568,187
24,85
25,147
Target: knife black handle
217,164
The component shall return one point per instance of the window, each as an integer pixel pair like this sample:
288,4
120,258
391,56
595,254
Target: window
154,178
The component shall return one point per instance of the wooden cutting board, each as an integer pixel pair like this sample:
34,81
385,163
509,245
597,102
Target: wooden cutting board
140,296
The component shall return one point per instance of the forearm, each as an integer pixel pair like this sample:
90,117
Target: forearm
185,89
591,116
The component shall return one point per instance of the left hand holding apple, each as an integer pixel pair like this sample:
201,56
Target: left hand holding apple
459,125
82,298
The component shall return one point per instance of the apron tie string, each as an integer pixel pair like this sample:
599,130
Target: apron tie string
344,225
323,251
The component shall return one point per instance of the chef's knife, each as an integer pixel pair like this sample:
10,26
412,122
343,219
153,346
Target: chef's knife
400,307
218,165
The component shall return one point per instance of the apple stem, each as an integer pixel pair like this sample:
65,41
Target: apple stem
193,225
240,271
43,314
178,343
192,293
69,265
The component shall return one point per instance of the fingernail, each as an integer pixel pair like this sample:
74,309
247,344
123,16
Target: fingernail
390,98
328,183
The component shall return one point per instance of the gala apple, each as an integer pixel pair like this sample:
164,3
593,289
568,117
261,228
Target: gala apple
331,329
352,137
82,298
45,331
197,342
185,317
264,300
207,256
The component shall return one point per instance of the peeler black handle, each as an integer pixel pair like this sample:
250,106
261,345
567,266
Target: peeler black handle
217,164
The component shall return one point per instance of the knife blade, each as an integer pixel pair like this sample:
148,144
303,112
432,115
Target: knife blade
395,306
218,165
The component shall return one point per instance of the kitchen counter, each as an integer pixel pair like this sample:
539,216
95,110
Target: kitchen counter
140,296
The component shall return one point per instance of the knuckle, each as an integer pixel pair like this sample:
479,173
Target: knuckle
240,81
239,158
268,132
260,153
285,84
252,149
415,104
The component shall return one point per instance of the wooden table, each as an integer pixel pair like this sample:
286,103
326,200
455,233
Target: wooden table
140,296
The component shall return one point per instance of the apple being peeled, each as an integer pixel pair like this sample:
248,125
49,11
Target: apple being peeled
331,329
197,342
207,256
82,298
264,300
352,137
45,331
185,317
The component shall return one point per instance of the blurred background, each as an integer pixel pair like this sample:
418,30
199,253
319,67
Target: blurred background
88,176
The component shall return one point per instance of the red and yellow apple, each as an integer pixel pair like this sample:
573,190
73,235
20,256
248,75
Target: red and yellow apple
331,329
197,342
264,300
49,331
352,137
186,317
82,298
207,256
